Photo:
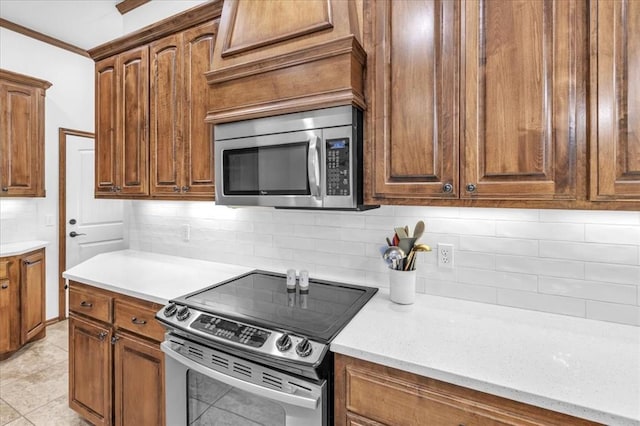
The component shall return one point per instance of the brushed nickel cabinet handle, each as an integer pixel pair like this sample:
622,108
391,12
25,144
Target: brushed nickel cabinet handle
114,339
447,187
86,304
137,321
27,263
102,335
185,188
176,189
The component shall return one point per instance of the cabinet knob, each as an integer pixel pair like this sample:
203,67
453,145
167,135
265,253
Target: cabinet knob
102,335
113,188
447,187
5,189
185,189
176,189
114,339
5,286
471,187
118,189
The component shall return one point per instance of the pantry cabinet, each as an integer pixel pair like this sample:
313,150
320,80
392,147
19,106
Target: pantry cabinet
151,102
476,100
615,102
21,135
370,394
122,124
22,300
116,367
181,141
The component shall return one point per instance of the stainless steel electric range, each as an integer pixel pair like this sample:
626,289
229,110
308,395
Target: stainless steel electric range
255,350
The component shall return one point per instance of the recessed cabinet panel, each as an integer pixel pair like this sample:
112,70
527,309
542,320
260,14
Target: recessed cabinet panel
32,294
134,115
105,125
616,138
166,114
521,82
21,110
413,115
198,56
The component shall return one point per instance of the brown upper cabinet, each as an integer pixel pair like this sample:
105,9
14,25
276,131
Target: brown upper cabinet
122,123
21,135
615,102
151,102
181,141
513,134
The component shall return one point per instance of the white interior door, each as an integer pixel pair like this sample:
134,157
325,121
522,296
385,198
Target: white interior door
93,225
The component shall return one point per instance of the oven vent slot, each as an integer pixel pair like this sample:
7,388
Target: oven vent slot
219,361
242,369
195,352
272,380
299,386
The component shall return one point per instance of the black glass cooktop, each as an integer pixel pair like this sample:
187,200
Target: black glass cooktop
261,298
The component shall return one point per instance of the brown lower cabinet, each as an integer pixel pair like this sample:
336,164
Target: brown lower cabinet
368,394
116,367
22,300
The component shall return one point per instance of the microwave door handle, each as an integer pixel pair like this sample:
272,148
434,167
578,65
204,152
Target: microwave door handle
313,166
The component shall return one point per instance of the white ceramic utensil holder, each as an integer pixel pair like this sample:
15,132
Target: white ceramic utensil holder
402,286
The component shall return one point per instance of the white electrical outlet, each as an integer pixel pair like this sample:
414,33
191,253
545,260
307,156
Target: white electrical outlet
186,232
445,255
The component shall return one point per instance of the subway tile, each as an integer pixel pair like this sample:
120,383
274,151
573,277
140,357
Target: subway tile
541,231
341,247
592,290
341,220
590,252
270,252
614,234
512,246
590,216
470,259
509,280
462,227
363,235
293,242
621,274
460,291
427,212
294,217
542,302
613,312
533,265
326,232
526,215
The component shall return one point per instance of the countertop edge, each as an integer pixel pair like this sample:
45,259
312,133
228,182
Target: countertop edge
486,387
22,247
115,289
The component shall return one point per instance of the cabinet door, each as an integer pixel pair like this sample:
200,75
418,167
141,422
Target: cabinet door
521,91
615,149
106,113
166,134
133,122
413,99
90,370
20,143
139,382
9,306
198,135
32,295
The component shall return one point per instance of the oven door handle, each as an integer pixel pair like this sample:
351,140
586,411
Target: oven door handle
286,398
313,166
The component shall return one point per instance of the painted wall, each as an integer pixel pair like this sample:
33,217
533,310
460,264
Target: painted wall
68,103
578,263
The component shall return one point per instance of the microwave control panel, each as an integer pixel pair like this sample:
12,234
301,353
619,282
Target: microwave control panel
338,167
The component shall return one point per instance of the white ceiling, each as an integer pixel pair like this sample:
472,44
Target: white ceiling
87,23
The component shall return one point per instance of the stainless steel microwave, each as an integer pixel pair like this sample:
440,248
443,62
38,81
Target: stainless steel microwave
307,160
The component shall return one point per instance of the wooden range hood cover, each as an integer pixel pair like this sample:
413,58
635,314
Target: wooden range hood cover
279,56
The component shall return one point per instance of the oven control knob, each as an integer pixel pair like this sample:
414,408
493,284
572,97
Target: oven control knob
304,348
170,310
183,313
283,343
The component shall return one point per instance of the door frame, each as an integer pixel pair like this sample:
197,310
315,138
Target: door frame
62,212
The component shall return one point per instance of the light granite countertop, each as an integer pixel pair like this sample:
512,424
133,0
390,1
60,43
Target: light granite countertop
154,277
14,249
585,368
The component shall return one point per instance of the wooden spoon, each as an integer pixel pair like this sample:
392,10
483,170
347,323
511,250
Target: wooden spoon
419,230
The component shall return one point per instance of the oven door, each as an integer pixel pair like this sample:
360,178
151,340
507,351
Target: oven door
279,170
205,386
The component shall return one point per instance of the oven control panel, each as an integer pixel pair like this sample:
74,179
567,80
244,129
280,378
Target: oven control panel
230,330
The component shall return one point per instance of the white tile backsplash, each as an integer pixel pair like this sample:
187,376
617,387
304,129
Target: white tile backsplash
579,263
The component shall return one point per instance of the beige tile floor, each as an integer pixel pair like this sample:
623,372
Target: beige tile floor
34,383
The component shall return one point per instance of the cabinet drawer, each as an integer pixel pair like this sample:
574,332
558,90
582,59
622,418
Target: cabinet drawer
93,305
138,319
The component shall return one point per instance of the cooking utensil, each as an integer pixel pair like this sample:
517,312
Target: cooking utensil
388,241
393,256
409,264
400,232
406,244
418,230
